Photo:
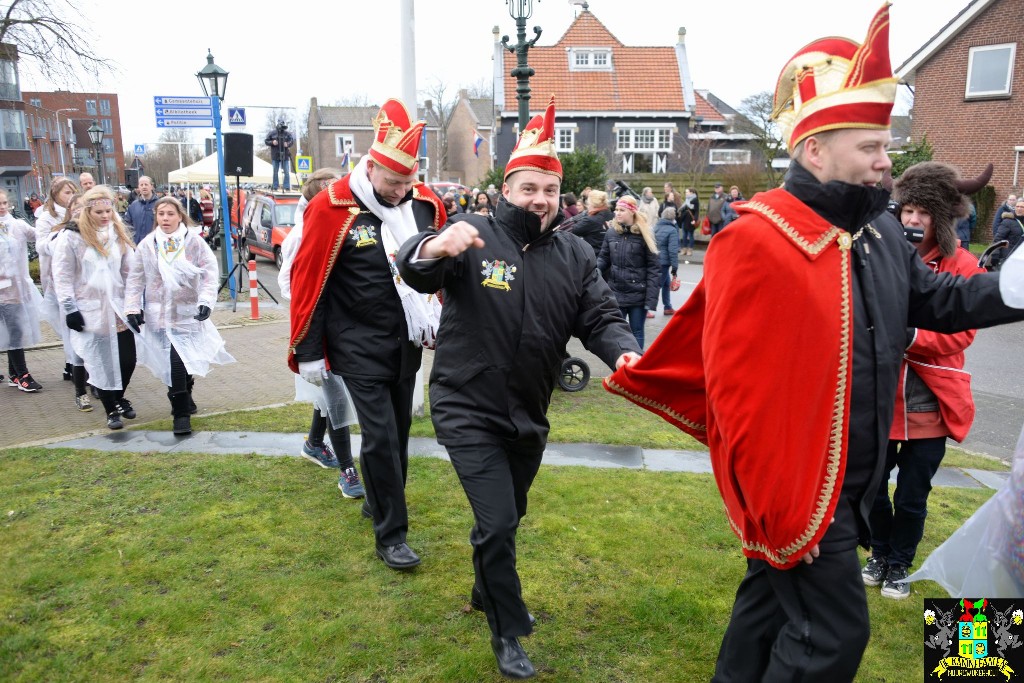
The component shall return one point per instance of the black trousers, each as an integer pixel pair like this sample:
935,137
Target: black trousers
385,416
496,480
808,623
126,359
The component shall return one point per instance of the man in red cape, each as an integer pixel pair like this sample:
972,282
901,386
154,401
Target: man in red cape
785,358
352,315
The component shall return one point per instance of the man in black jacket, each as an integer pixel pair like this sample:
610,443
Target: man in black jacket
280,142
515,290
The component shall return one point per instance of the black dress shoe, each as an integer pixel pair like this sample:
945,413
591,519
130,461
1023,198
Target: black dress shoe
476,601
399,556
512,659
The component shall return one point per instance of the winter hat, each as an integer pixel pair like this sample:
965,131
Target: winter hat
938,189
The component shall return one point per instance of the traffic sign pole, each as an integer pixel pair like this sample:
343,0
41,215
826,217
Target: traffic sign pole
226,242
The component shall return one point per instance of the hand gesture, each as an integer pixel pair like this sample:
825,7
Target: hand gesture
452,241
627,358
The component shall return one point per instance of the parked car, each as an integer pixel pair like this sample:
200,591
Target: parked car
267,219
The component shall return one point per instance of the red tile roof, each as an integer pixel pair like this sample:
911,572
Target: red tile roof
628,87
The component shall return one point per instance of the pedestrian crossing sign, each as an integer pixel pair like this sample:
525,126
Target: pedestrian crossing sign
303,164
140,150
236,116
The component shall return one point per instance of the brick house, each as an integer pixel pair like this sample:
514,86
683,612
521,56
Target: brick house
968,83
467,162
636,104
335,131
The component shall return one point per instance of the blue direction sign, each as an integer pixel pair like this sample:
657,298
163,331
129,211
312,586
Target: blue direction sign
185,112
140,150
236,116
184,101
183,123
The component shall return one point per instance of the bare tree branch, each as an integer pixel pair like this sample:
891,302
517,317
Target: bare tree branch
443,106
756,118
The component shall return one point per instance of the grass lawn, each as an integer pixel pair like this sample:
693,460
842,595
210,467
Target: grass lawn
589,416
196,567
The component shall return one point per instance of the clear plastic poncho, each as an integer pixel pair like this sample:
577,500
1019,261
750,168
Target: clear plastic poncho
985,556
93,284
20,301
178,274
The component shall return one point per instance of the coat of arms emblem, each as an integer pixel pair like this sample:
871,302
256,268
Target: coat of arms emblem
497,274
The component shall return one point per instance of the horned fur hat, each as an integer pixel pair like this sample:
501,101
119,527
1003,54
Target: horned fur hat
938,189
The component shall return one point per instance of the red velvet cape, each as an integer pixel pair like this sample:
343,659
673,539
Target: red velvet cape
326,223
757,366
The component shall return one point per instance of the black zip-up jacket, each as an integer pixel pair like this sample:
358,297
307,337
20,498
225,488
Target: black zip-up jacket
591,228
509,309
631,269
893,289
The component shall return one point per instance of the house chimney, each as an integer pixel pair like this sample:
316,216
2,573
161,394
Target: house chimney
682,35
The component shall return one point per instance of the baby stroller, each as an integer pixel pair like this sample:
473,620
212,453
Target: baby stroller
989,259
574,374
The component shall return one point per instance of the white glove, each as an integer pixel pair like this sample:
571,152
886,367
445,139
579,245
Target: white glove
313,371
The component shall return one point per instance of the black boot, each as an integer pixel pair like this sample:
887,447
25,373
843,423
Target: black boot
180,412
512,659
192,409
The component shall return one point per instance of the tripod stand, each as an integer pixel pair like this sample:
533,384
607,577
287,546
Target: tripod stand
240,262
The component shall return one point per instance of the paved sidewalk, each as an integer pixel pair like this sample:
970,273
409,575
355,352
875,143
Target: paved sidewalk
276,444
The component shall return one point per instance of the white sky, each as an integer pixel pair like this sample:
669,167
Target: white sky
350,48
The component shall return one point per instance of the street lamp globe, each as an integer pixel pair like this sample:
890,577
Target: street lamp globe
520,9
213,78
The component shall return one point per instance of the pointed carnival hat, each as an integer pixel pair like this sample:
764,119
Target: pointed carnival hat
835,83
396,142
535,149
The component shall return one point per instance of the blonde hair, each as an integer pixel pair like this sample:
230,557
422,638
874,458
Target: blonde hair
87,228
173,201
315,182
597,199
55,189
640,227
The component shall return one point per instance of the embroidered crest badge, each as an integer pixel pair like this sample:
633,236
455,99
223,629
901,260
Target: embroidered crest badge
497,274
364,235
392,257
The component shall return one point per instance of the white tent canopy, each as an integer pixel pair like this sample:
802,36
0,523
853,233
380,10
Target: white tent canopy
205,171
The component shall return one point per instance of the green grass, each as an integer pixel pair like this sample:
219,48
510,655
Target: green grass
589,416
196,568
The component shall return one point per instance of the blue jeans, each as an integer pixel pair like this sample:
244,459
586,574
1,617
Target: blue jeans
897,527
283,163
636,316
716,228
666,291
687,240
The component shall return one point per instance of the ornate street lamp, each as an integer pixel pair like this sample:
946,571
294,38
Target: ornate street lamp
521,10
214,81
95,132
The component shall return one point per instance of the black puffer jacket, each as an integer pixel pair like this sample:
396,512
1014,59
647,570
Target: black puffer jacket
1009,229
509,309
591,228
632,270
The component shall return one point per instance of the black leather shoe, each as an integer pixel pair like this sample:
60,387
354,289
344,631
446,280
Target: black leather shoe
512,659
476,601
399,556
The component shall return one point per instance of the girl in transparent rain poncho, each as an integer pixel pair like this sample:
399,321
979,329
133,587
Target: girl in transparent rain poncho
90,264
19,298
332,406
177,272
51,216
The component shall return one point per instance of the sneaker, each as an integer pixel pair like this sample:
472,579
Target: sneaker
114,420
12,381
670,311
350,485
26,383
321,455
83,404
874,571
895,585
124,407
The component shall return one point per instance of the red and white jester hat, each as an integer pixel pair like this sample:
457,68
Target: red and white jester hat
835,83
396,143
535,149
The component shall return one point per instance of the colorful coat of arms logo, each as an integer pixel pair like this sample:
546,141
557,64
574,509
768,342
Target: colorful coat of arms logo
364,235
497,274
981,634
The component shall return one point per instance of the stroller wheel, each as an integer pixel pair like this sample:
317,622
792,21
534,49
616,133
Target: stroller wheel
574,375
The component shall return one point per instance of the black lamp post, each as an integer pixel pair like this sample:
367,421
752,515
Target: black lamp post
521,11
95,132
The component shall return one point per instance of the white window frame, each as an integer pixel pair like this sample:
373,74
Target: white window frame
660,131
585,59
341,140
1009,70
728,161
560,130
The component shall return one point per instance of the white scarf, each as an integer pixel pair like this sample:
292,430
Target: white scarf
422,311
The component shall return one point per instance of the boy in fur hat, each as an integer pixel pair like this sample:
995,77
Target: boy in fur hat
933,397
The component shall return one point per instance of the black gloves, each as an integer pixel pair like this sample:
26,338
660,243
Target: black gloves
135,321
75,321
674,271
204,313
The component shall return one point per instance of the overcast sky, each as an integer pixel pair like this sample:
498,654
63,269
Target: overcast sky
349,49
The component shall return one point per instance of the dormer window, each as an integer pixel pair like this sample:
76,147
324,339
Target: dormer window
590,59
